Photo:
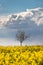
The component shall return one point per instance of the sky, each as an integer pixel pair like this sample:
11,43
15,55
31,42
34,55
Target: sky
24,15
14,6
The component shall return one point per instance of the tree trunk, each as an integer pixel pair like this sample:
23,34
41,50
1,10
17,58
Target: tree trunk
20,43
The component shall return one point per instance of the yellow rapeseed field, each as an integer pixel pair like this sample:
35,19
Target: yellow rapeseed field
21,55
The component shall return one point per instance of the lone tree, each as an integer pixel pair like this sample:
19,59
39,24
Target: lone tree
21,36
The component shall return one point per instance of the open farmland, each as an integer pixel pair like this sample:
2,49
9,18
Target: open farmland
21,55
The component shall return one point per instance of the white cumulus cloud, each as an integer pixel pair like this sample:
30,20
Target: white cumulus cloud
30,15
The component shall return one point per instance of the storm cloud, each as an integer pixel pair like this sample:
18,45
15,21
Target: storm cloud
31,21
